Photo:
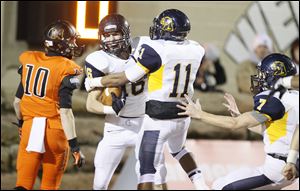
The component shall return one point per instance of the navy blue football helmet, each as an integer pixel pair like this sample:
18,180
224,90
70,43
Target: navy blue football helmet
60,38
115,23
171,24
270,69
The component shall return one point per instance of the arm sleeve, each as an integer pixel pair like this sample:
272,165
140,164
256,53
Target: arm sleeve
261,118
20,91
68,84
272,108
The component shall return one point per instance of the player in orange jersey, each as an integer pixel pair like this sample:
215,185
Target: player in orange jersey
43,107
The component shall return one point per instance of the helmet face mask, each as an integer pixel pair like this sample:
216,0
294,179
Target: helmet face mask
60,38
270,69
171,24
114,35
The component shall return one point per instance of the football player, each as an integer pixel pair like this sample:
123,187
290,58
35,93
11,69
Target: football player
122,121
43,107
171,62
274,116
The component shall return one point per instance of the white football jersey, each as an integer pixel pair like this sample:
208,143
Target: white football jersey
278,133
176,74
100,63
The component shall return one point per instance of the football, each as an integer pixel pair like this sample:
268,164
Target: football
105,98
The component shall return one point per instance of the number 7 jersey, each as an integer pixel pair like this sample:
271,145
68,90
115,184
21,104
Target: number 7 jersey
175,71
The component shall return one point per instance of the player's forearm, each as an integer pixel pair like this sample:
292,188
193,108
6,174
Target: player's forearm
294,148
219,121
114,80
244,120
68,122
295,82
17,108
257,129
94,106
295,140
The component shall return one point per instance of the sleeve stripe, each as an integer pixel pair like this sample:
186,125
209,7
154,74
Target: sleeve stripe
143,67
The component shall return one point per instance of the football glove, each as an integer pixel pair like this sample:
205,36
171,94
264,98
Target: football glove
118,102
79,158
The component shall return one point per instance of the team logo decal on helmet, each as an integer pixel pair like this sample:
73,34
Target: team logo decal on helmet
167,24
57,34
278,68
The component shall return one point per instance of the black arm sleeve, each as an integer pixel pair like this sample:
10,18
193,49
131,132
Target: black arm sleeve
68,84
220,73
20,91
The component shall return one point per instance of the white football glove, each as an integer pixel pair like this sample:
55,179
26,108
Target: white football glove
87,84
285,82
91,83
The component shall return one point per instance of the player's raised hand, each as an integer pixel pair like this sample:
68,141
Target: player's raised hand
190,108
231,105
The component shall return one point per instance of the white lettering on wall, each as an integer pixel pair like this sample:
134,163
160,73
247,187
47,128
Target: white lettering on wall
279,19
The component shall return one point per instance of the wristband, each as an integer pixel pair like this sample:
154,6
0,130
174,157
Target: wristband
292,156
20,121
287,82
74,145
96,82
108,110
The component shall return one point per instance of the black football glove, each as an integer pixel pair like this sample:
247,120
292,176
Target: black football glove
79,158
118,102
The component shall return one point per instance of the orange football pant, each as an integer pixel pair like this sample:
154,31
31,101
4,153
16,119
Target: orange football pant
53,160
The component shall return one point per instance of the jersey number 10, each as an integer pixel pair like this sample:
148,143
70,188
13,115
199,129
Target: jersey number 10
39,84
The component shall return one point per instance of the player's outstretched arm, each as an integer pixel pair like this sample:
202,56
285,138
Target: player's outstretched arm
111,80
234,111
194,110
68,124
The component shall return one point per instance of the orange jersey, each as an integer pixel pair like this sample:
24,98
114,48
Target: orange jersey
41,78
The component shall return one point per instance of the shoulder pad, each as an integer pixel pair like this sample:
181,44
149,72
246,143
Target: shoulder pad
272,107
99,61
149,58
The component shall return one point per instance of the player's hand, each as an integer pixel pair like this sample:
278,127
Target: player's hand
190,108
79,158
231,106
88,84
118,102
290,171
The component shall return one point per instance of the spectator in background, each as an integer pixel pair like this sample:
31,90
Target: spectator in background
262,46
206,79
295,53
